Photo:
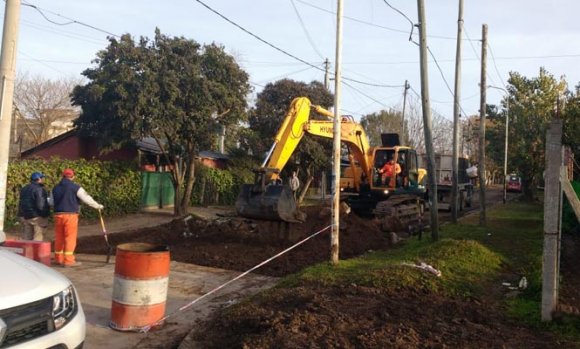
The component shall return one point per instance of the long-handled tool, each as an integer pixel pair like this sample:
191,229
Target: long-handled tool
109,247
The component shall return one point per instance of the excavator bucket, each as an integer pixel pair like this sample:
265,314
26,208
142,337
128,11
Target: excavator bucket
273,202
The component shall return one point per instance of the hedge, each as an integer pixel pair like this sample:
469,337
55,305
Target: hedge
116,185
219,187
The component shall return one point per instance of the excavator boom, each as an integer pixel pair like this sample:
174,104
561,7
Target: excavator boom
268,198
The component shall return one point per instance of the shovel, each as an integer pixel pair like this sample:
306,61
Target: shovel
109,247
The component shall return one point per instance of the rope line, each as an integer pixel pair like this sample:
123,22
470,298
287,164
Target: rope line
184,307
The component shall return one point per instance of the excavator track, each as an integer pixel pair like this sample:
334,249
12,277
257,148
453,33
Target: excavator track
400,214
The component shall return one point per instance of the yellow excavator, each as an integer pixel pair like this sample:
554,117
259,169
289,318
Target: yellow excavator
398,202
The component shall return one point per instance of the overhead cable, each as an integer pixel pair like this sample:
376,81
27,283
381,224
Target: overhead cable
284,51
306,30
70,20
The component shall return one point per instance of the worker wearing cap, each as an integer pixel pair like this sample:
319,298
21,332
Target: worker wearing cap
33,209
66,197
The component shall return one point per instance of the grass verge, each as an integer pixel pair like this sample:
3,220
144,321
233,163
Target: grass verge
471,259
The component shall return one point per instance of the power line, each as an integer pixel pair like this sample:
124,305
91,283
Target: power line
306,30
364,94
476,53
288,74
404,15
255,36
41,62
65,33
70,20
372,24
284,51
495,65
443,77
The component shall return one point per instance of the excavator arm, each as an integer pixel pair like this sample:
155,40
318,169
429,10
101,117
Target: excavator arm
297,122
267,199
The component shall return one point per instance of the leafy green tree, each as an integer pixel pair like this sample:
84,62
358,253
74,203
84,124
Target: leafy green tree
384,121
172,89
273,102
532,103
571,117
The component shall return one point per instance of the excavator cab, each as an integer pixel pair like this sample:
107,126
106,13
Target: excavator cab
406,174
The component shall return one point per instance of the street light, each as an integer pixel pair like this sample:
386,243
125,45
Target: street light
505,152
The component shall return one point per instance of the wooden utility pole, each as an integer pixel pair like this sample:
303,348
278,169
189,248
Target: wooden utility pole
552,218
482,110
7,73
426,106
456,110
403,138
334,245
326,75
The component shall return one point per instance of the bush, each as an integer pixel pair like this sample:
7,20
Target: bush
221,187
569,221
116,185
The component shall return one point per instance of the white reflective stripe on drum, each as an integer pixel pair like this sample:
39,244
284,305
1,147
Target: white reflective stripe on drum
140,292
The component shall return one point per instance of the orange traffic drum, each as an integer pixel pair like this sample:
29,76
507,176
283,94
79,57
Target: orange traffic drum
140,286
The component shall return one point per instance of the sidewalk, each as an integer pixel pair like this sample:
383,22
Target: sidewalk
143,219
94,283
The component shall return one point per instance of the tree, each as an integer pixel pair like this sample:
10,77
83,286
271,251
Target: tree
265,119
384,121
171,89
532,104
391,122
42,103
571,117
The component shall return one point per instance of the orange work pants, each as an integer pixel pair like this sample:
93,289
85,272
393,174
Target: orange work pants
65,237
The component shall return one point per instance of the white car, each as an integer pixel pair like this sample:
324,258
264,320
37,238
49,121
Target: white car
39,307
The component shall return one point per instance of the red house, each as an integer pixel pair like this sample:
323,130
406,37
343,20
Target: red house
70,145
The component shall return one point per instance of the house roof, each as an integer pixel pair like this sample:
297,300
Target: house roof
208,154
50,142
148,144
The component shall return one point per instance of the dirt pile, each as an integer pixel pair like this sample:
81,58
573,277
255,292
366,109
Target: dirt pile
239,244
361,317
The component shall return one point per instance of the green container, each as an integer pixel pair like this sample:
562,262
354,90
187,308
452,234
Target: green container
156,190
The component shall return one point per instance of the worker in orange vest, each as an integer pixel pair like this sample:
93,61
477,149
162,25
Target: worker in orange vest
66,197
388,171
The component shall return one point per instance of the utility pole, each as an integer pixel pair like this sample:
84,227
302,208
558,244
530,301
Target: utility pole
7,73
433,209
456,109
326,75
334,245
552,220
482,110
403,138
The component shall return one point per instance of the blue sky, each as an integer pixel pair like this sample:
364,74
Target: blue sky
523,35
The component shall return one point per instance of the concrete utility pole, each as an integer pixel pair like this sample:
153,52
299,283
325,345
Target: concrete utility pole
7,73
433,209
456,109
552,219
403,138
326,75
334,245
482,107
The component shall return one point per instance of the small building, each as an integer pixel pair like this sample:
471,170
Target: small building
213,159
70,145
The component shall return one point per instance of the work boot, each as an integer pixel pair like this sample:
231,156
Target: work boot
75,264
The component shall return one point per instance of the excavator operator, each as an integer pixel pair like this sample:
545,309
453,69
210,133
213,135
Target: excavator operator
389,171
